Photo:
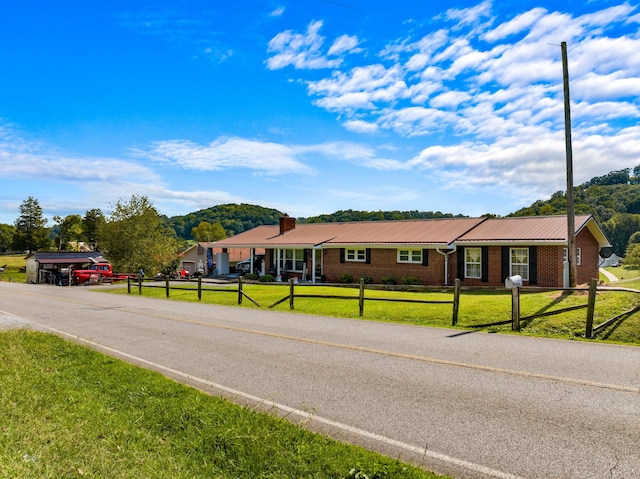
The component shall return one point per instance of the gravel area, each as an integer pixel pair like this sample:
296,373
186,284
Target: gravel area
8,321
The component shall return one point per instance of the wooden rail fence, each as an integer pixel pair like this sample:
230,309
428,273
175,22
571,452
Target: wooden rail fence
516,317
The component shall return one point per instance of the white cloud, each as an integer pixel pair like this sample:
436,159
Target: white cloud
303,51
277,12
344,43
230,153
469,16
517,25
360,126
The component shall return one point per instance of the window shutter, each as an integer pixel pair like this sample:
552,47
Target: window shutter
505,262
461,263
533,265
485,264
425,257
342,255
367,257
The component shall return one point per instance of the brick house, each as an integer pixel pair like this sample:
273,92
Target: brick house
478,251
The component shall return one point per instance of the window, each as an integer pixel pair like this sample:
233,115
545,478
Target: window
409,256
520,263
578,256
356,255
472,262
292,260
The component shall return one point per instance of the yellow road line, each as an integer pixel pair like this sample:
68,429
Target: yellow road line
381,352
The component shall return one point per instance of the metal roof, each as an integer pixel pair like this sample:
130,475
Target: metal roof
530,230
437,232
419,233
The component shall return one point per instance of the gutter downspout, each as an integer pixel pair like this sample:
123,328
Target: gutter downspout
446,262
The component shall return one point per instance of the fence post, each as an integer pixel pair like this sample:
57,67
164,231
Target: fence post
361,298
591,306
291,293
239,289
166,286
128,284
199,288
139,285
515,309
456,301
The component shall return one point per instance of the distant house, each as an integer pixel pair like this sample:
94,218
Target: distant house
208,258
478,251
613,260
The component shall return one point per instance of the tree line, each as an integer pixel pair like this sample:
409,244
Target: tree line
136,235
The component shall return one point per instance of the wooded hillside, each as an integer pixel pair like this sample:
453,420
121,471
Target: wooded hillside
613,200
233,218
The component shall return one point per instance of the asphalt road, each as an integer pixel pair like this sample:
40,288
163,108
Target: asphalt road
472,405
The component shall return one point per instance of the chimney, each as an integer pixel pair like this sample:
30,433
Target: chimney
287,223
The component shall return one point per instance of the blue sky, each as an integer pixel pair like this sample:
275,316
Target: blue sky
311,106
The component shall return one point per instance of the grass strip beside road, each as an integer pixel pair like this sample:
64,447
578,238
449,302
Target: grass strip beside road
477,307
68,411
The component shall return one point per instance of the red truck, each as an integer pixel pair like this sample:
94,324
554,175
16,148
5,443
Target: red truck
97,273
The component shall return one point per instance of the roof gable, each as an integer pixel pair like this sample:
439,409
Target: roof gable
531,230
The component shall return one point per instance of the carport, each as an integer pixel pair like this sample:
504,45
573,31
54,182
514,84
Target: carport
55,268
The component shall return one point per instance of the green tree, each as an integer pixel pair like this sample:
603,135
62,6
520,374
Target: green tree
136,237
205,231
91,223
632,256
619,230
31,232
6,236
69,230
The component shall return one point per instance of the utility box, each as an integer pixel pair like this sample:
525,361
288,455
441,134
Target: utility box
513,281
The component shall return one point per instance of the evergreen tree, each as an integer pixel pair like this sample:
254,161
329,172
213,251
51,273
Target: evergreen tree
31,232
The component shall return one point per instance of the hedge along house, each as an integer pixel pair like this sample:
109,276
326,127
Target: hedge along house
533,247
478,251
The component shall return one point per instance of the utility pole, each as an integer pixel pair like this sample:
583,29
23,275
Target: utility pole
571,222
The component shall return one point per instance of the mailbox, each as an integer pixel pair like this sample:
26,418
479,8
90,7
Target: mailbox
513,281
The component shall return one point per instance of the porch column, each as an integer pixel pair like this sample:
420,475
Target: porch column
278,262
252,252
313,265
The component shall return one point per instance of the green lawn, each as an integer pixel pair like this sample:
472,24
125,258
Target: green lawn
70,412
15,268
477,307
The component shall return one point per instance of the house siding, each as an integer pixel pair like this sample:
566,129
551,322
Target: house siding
384,263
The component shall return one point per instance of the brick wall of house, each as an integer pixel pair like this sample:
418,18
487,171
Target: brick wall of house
590,257
550,264
383,264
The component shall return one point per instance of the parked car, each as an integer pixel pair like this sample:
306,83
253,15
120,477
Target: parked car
244,266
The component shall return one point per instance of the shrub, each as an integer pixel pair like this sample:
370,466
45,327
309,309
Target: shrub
410,280
367,279
252,276
267,278
346,278
388,280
